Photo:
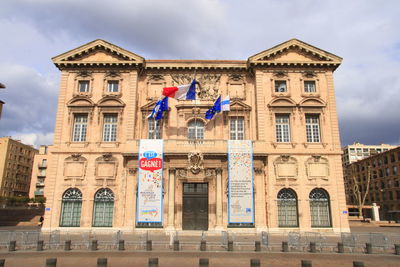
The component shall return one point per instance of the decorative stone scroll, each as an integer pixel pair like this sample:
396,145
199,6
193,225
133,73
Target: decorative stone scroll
317,167
286,167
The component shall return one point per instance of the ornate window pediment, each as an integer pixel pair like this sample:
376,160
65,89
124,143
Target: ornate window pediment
282,102
317,167
75,167
106,167
312,102
111,104
286,167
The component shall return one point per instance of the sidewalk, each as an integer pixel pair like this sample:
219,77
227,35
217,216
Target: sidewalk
189,259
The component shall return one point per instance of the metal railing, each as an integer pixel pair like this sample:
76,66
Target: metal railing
107,239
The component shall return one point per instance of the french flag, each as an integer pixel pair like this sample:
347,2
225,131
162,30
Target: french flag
181,92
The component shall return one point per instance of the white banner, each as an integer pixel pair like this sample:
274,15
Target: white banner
241,193
150,181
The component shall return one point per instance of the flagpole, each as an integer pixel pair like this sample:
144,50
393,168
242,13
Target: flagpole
195,113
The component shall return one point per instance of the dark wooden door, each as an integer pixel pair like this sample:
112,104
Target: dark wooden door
195,206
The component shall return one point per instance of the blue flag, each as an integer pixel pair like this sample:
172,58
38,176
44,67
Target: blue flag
214,109
159,108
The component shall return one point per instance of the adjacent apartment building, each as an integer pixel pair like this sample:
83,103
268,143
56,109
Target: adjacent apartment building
273,162
384,185
16,161
357,151
39,171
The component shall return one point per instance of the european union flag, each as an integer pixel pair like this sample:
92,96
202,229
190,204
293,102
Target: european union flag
214,109
159,108
163,107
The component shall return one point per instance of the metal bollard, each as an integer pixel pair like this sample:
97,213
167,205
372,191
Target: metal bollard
358,264
255,263
340,247
203,245
52,262
121,245
285,246
101,262
313,247
12,245
397,249
306,263
230,245
149,246
204,262
153,262
176,245
2,262
257,245
39,246
67,245
94,245
368,247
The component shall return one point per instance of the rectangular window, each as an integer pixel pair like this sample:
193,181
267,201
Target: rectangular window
236,128
154,129
280,86
80,128
309,87
282,128
83,86
312,129
112,86
110,128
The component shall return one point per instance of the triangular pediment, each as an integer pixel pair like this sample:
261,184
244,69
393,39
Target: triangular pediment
294,52
239,105
98,52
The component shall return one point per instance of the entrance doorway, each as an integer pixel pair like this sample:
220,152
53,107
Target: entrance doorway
195,206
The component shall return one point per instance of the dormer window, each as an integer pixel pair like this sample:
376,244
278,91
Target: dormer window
113,86
280,86
309,87
83,86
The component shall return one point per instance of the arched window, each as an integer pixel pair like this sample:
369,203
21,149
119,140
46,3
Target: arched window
196,129
71,208
103,208
287,208
320,208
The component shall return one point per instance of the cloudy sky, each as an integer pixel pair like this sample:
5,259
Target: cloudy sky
366,33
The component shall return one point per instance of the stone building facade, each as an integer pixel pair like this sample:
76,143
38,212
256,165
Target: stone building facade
282,99
357,151
16,161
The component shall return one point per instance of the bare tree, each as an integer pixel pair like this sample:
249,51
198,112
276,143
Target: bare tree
360,196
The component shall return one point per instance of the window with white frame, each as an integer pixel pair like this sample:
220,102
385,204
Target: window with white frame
80,128
280,86
236,127
110,127
309,87
282,122
83,86
154,127
113,86
196,129
312,128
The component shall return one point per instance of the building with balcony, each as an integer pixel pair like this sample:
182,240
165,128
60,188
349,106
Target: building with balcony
384,185
39,173
273,162
16,161
357,151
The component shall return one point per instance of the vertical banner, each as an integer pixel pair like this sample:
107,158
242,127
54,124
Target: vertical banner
241,193
150,181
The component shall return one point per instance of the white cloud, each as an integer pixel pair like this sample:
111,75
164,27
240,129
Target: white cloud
35,139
